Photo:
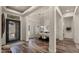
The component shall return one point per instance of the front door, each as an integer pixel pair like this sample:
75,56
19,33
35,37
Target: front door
12,30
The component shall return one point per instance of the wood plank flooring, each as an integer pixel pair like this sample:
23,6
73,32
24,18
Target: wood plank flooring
66,46
39,46
33,46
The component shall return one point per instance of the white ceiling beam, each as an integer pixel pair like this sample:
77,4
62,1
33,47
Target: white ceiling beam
13,11
75,9
30,9
59,11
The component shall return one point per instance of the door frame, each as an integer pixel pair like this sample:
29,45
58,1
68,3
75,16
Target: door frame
7,30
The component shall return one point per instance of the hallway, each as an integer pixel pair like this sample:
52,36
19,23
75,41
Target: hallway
66,46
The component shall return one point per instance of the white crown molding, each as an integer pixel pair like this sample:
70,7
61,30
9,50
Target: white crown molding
24,13
30,10
59,11
75,9
10,10
68,14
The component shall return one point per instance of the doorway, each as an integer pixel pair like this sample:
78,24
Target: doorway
68,27
12,30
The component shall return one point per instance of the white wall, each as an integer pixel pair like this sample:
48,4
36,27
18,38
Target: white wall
68,22
76,28
59,26
32,21
23,28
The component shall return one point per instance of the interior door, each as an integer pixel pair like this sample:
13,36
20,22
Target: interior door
12,30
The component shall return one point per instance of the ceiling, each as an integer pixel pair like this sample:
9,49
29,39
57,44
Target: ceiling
18,8
66,9
63,9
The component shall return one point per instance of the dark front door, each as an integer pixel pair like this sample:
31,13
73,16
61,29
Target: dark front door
12,30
